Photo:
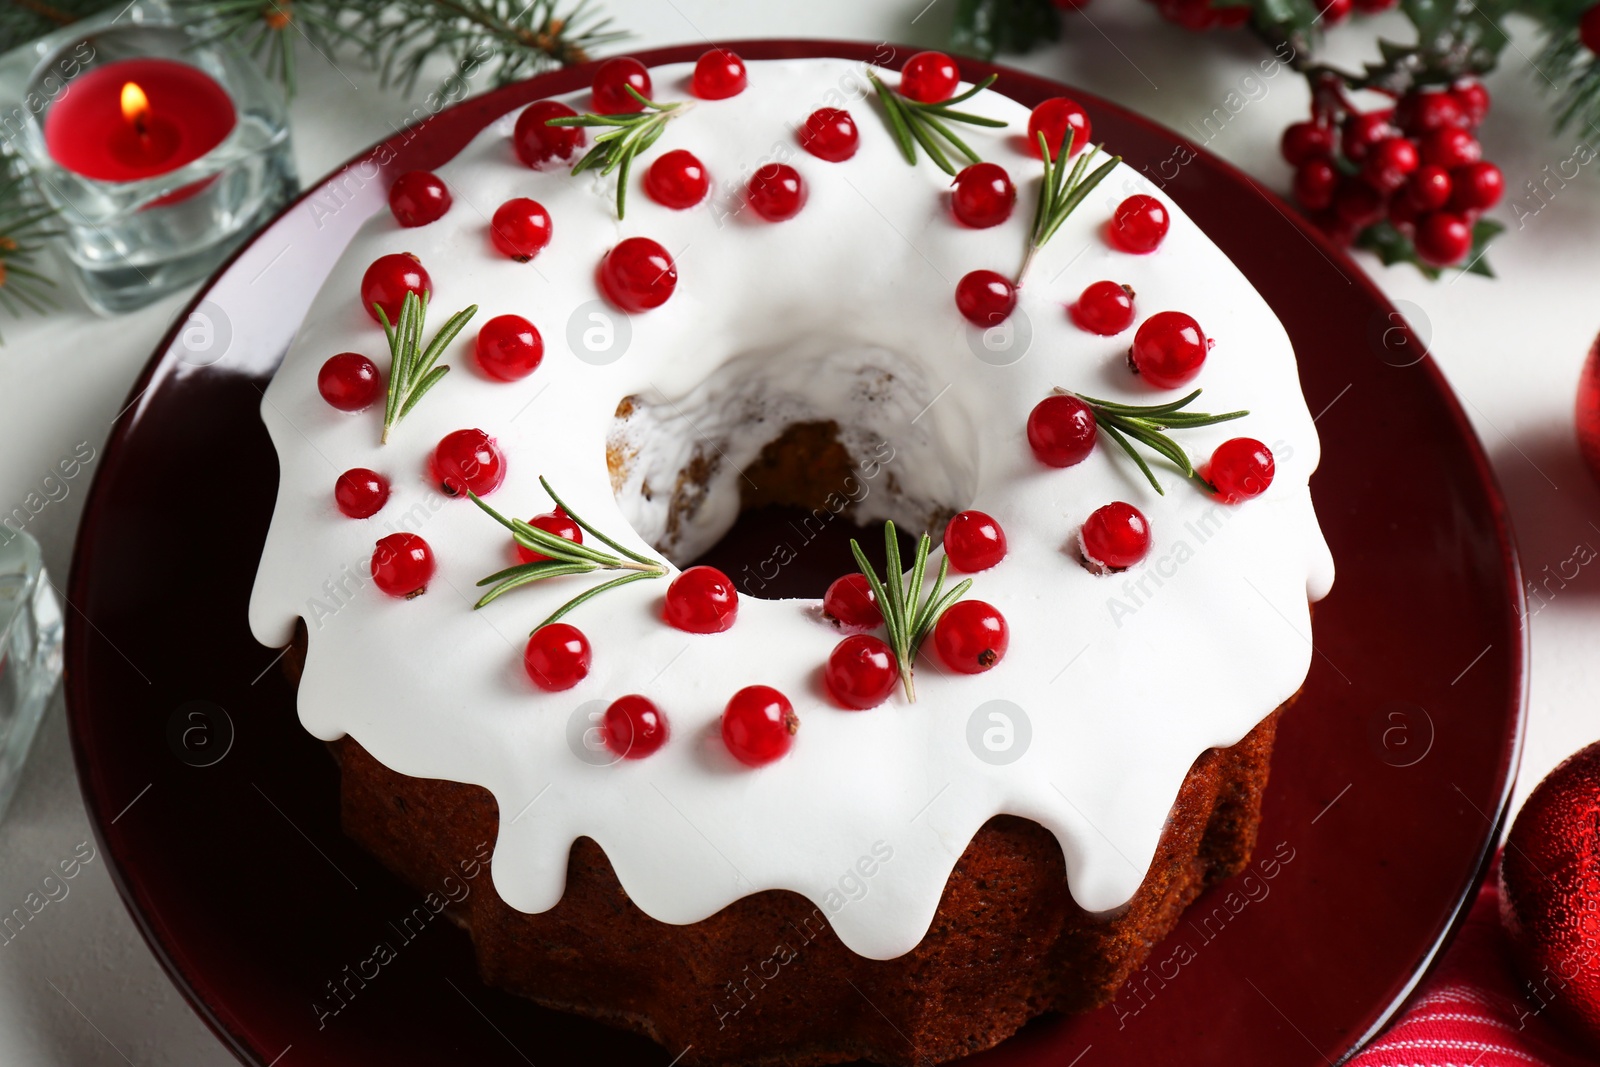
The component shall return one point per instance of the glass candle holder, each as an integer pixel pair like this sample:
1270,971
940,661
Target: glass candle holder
30,652
161,149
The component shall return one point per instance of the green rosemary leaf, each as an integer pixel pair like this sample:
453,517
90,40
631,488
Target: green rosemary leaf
433,378
1156,441
562,504
547,543
914,123
1186,422
925,138
894,572
1127,446
919,568
516,583
590,594
447,333
949,135
963,97
937,609
897,120
538,568
1135,410
940,111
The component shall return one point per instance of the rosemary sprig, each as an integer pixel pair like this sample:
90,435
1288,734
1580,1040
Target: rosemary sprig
412,369
1126,423
914,123
1062,191
565,557
630,134
907,615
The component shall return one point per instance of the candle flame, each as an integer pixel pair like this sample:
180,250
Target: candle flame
135,105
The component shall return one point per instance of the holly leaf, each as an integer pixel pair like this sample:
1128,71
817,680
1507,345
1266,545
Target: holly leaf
1391,247
1485,231
984,28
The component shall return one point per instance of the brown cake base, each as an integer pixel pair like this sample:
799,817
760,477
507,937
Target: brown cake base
766,981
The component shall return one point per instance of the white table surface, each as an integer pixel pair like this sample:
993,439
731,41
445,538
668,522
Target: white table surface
79,987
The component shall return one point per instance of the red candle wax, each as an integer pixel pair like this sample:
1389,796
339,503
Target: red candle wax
137,118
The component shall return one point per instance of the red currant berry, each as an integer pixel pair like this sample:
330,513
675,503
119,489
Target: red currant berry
1314,185
389,279
1443,238
613,79
1139,224
1473,99
1424,112
556,522
974,542
1240,469
971,636
557,657
509,348
1169,349
677,180
361,493
1305,141
520,228
759,725
1589,28
929,77
861,672
985,298
702,600
1054,118
718,74
349,381
1390,163
1428,189
537,143
851,603
830,134
418,197
402,565
1336,11
983,195
777,192
468,460
1104,308
1451,148
638,275
1061,430
1357,203
1476,187
1114,537
1362,131
633,727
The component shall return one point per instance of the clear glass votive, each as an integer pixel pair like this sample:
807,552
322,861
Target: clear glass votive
30,653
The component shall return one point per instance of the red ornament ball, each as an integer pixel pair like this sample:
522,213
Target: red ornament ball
1114,537
1104,308
1548,875
402,565
985,298
638,275
1139,224
718,74
468,460
777,192
557,657
361,493
677,180
537,143
1054,118
1241,469
851,603
556,522
861,672
613,79
1061,430
929,77
509,348
829,133
1169,349
971,636
983,196
759,725
418,197
974,542
702,600
520,228
387,282
349,381
633,727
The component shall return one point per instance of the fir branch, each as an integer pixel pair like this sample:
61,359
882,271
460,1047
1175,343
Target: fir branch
914,123
413,370
22,21
268,29
629,135
908,616
563,557
984,28
1127,424
1062,191
26,224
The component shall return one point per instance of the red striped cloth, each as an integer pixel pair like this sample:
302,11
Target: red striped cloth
1475,1010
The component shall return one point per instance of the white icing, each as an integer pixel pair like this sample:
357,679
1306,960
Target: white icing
1124,679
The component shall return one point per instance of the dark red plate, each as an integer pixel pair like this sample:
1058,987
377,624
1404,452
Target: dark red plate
220,815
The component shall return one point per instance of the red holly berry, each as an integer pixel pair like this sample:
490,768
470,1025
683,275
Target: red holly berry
1451,148
1139,224
830,134
1114,537
349,381
1169,349
1314,184
1357,203
1473,99
718,74
633,727
1071,5
851,603
361,493
1443,238
1426,111
468,460
1053,118
861,672
1403,214
1390,163
974,542
418,197
702,600
1589,28
402,565
971,636
1428,189
777,192
983,195
1373,7
985,298
509,348
1336,11
537,143
1305,141
613,79
677,180
388,280
638,275
929,77
556,522
1061,430
759,725
1104,308
557,657
1363,130
520,228
1476,187
1240,469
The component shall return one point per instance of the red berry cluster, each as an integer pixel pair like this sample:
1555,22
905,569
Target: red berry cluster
1198,15
1416,165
